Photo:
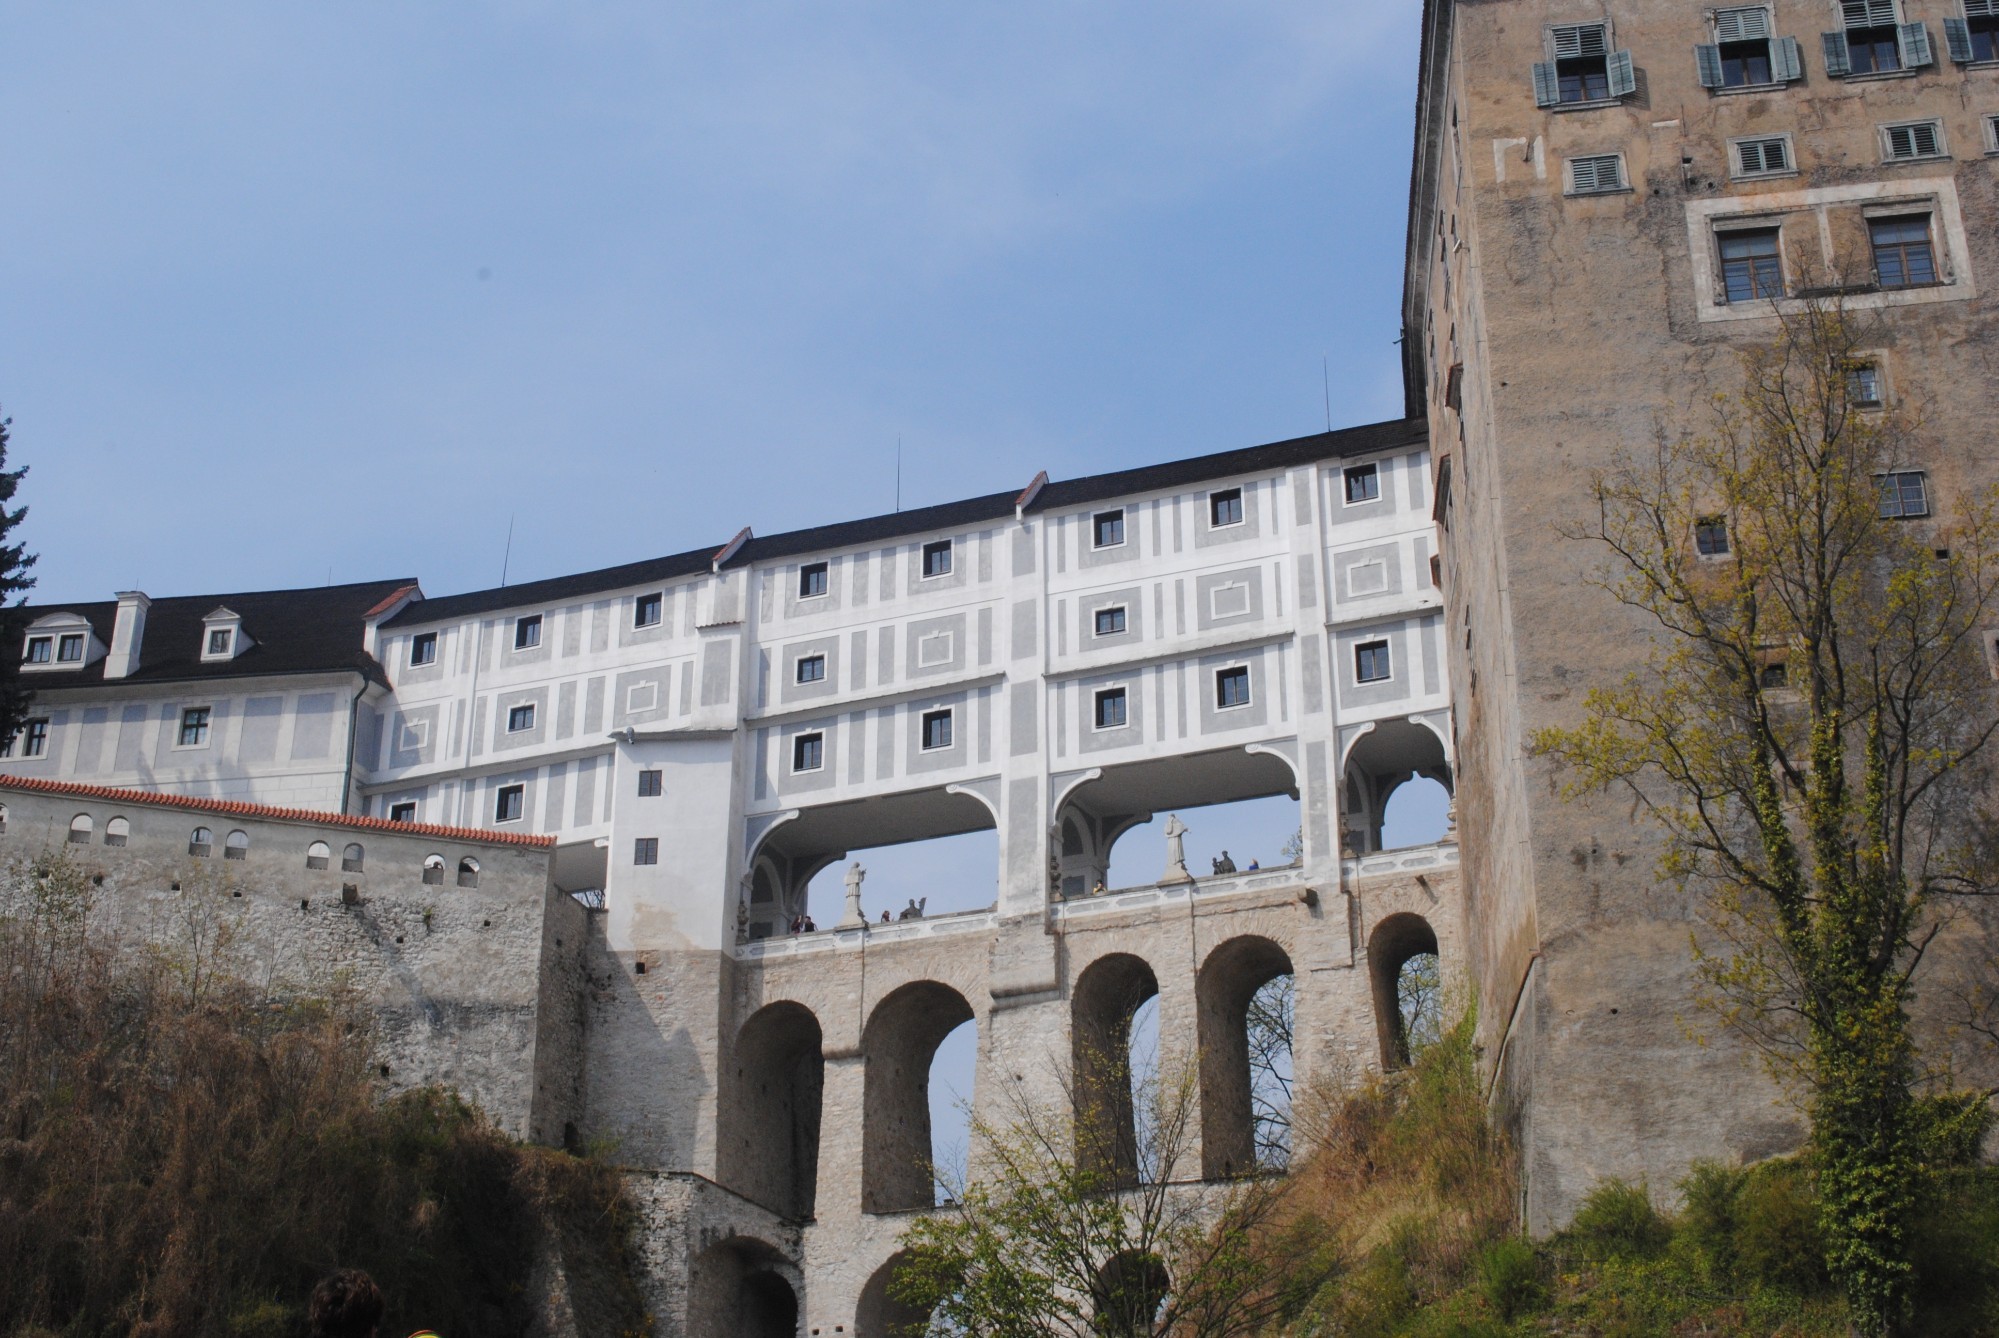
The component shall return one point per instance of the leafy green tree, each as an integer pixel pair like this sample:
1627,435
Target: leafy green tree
1811,730
15,560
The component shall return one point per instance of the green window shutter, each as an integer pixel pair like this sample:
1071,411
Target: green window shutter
1547,88
1981,9
1867,13
1624,79
1957,37
1707,60
1914,39
1786,62
1741,25
1837,62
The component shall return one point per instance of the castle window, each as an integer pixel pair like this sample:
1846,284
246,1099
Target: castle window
1905,495
79,830
70,649
937,558
646,609
1875,41
808,752
1225,508
1599,174
811,669
1363,483
1582,69
352,857
527,632
236,845
194,727
1110,708
403,812
33,739
812,580
1775,674
645,850
1370,662
1231,688
117,832
423,649
1107,529
649,784
1111,621
1751,266
520,718
1863,385
433,870
1912,141
468,872
41,649
936,730
318,855
509,803
1711,536
200,842
1767,156
1902,254
1745,54
1974,39
218,641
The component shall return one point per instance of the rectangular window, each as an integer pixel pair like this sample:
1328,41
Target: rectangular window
1902,255
35,738
1582,61
649,784
1107,529
527,632
194,727
1912,141
808,752
41,649
1762,157
937,558
645,850
811,668
936,730
1905,494
509,802
1863,385
520,718
1110,708
218,641
1225,508
1775,674
403,812
1363,483
1974,39
1872,40
1711,536
1751,267
647,609
1111,621
1600,174
1231,687
423,649
1370,662
812,580
70,649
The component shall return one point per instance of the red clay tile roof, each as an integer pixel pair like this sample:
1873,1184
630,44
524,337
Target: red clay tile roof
306,815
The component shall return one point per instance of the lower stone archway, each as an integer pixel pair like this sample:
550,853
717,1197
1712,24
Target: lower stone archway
900,1040
768,1144
880,1315
1396,940
740,1287
1228,980
1103,1002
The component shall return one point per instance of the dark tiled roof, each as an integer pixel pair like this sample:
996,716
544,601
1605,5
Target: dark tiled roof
315,630
556,589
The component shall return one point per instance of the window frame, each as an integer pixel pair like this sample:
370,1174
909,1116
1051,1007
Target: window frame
405,806
1738,169
1367,648
510,803
1928,217
65,640
204,727
221,640
1233,673
1099,522
937,549
47,642
806,572
1706,529
798,675
426,641
1922,479
1571,183
520,717
645,851
1753,228
1371,472
816,740
1122,613
1101,697
1865,366
33,738
1226,498
937,715
1934,124
655,602
652,782
527,632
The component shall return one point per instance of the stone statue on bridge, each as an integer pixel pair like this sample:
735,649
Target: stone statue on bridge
853,919
1176,853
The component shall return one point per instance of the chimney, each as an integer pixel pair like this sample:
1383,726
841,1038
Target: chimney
128,630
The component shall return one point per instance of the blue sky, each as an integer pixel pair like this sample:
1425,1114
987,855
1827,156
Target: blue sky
302,291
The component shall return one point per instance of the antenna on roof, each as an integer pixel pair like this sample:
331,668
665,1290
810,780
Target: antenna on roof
1326,384
898,472
508,556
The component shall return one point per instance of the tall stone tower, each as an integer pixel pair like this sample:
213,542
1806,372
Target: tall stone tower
1606,199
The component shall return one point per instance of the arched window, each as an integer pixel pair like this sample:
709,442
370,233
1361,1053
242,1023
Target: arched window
79,829
350,858
468,872
433,870
318,855
117,832
200,842
236,845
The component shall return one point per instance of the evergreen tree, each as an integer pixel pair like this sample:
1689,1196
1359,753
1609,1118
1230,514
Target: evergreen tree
15,582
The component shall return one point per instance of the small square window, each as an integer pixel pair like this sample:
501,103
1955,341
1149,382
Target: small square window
1863,385
1904,494
1110,708
1902,254
218,641
1231,688
808,752
937,558
646,609
403,812
1370,662
520,718
645,850
423,649
1764,157
1773,675
527,632
35,738
194,726
811,668
1598,174
812,580
936,730
1363,484
649,784
1913,141
70,649
1111,621
1225,508
1711,536
1107,529
509,802
41,649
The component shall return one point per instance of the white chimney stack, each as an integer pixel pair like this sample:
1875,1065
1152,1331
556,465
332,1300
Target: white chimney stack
128,630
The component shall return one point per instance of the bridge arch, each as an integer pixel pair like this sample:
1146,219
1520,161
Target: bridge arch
1228,980
1391,945
897,1045
768,1144
743,1287
880,1315
1105,998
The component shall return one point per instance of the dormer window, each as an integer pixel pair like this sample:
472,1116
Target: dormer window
222,636
59,641
41,650
218,641
69,649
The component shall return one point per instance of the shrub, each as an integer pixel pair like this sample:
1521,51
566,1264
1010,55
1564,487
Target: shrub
1618,1221
1509,1277
1778,1241
1711,1192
